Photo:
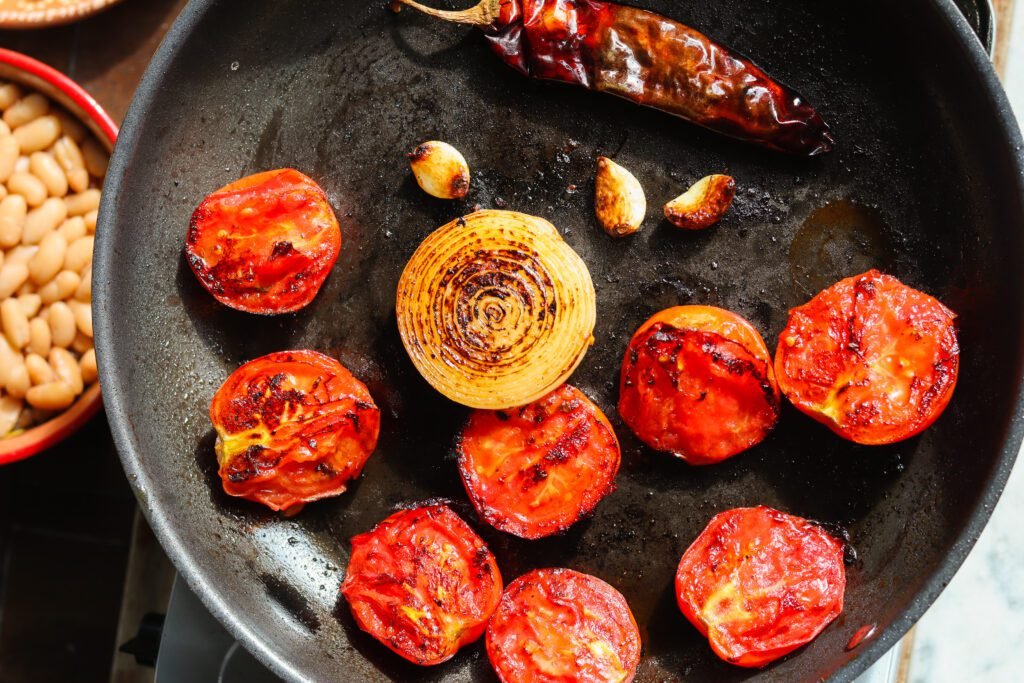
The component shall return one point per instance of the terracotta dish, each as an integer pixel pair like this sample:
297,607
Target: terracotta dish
24,70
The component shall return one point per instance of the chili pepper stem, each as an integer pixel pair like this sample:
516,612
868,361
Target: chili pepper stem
482,14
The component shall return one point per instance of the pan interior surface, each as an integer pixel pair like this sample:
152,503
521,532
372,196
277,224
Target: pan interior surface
924,184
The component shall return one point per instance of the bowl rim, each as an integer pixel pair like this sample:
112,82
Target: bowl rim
81,104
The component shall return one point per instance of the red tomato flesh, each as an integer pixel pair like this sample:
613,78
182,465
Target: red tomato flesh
873,359
423,583
561,626
697,382
265,243
537,470
292,427
760,583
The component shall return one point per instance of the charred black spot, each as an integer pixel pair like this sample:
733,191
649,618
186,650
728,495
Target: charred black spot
282,249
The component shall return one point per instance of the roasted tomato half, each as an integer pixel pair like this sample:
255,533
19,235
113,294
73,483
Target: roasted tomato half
423,583
697,382
760,583
292,427
871,358
557,626
265,243
537,470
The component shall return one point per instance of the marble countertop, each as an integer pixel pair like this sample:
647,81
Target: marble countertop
975,630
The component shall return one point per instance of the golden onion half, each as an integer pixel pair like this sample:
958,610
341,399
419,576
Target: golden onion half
495,309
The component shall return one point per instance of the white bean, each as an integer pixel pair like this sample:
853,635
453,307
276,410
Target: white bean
8,358
28,186
51,396
81,343
68,154
71,125
17,383
9,152
15,323
39,339
45,167
39,371
79,254
21,254
9,94
43,220
96,158
83,202
90,221
84,290
63,286
62,324
10,411
72,228
27,109
12,219
66,368
30,303
47,262
87,365
12,276
38,134
83,316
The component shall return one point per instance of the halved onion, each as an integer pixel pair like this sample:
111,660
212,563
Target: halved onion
495,309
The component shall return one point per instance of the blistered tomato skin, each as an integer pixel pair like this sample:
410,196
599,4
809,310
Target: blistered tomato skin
760,583
422,583
264,244
698,382
562,626
537,470
292,427
873,359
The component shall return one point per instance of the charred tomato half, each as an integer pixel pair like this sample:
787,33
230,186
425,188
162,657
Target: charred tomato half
265,243
537,470
292,427
697,382
422,583
559,625
873,359
760,583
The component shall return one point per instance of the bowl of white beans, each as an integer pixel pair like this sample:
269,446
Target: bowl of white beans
54,144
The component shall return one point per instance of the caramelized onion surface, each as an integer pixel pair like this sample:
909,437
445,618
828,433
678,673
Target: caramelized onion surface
495,309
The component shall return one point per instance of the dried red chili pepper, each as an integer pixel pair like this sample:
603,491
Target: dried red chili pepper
648,59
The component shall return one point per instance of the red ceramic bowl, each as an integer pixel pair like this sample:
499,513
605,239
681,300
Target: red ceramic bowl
33,74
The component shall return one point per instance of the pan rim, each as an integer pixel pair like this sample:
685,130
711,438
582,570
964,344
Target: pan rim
170,538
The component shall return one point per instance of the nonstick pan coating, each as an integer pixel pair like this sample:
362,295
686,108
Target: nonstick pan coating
925,183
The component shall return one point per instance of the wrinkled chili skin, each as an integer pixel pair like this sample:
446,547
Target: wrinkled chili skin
760,583
657,62
292,427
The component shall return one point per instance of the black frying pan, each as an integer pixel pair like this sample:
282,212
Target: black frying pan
925,183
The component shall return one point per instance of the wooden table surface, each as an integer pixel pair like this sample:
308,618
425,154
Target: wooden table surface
107,53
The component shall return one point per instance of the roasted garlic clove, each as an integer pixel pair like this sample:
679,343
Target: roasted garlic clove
619,200
703,204
440,170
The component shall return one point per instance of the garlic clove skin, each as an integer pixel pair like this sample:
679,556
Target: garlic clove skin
703,204
440,170
619,200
